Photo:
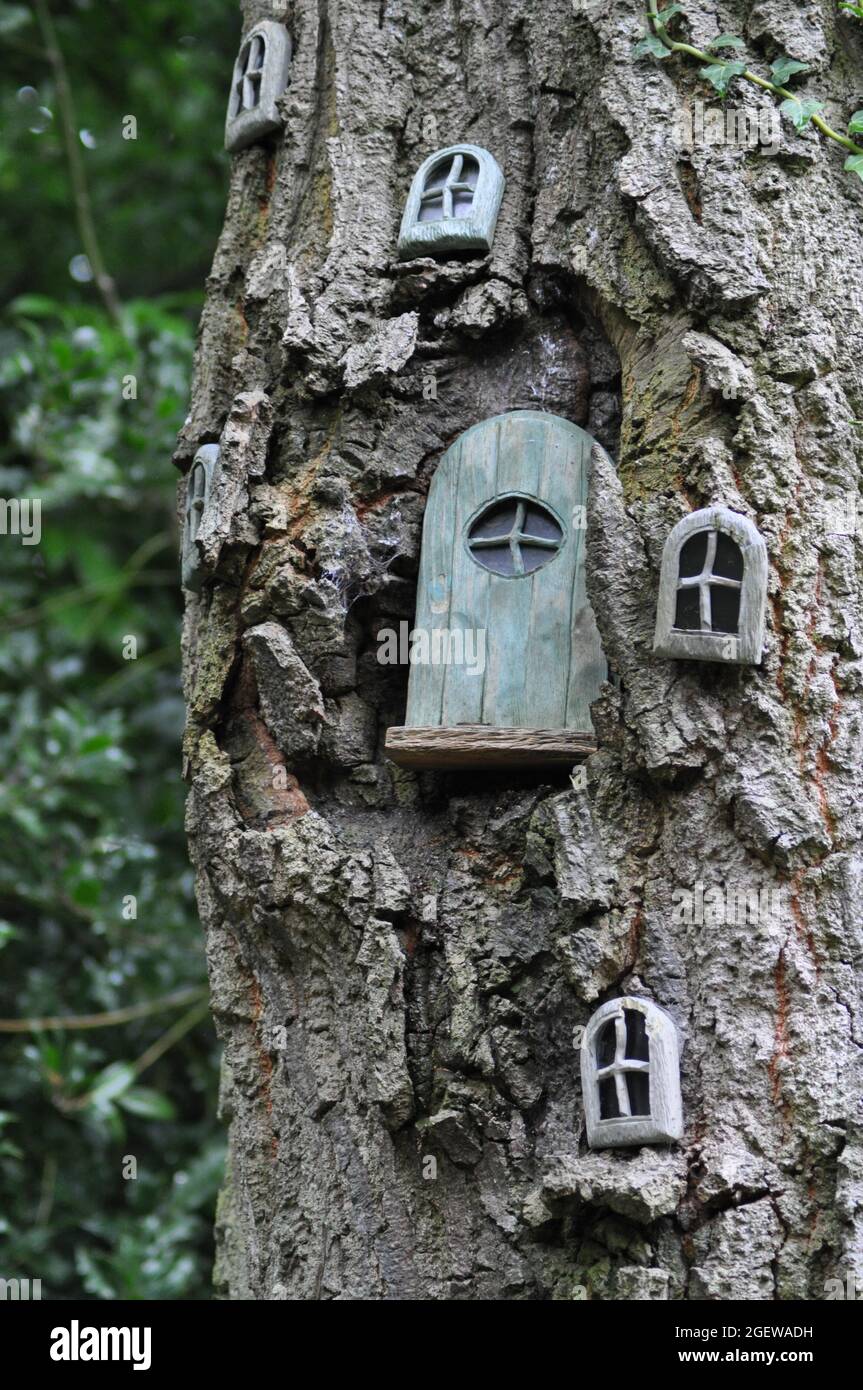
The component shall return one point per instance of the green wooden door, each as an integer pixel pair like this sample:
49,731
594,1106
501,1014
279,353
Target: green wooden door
503,554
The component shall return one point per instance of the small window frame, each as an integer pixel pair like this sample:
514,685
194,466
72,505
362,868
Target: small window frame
664,1123
746,646
475,232
245,126
199,484
529,500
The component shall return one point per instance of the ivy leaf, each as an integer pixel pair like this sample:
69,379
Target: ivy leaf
784,68
665,15
651,44
111,1082
726,41
854,163
720,75
14,17
800,110
855,125
152,1105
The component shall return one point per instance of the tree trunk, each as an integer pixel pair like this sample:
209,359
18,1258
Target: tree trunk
400,962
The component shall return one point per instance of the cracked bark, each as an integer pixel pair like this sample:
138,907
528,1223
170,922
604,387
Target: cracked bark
399,962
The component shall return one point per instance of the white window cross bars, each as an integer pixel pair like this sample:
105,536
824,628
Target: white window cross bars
515,538
704,580
617,1069
248,87
443,193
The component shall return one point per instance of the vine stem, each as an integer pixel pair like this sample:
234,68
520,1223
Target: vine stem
80,190
70,1104
105,1020
674,47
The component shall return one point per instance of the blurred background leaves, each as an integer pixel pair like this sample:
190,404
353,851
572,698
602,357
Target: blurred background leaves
97,915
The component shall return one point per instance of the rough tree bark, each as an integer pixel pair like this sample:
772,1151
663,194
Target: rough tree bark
399,963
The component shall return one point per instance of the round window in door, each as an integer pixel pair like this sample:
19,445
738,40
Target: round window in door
514,536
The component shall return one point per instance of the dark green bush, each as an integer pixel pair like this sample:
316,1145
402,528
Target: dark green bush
96,903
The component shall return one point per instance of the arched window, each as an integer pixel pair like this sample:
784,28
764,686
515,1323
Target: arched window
712,589
260,77
453,203
198,488
247,84
630,1075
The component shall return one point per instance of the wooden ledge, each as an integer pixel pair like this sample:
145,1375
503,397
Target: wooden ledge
479,745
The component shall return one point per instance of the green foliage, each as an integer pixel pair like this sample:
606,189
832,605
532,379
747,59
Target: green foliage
168,63
167,1226
725,41
91,803
783,68
854,164
721,75
800,110
651,46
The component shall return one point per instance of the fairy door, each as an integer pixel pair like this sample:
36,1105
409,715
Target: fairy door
510,639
